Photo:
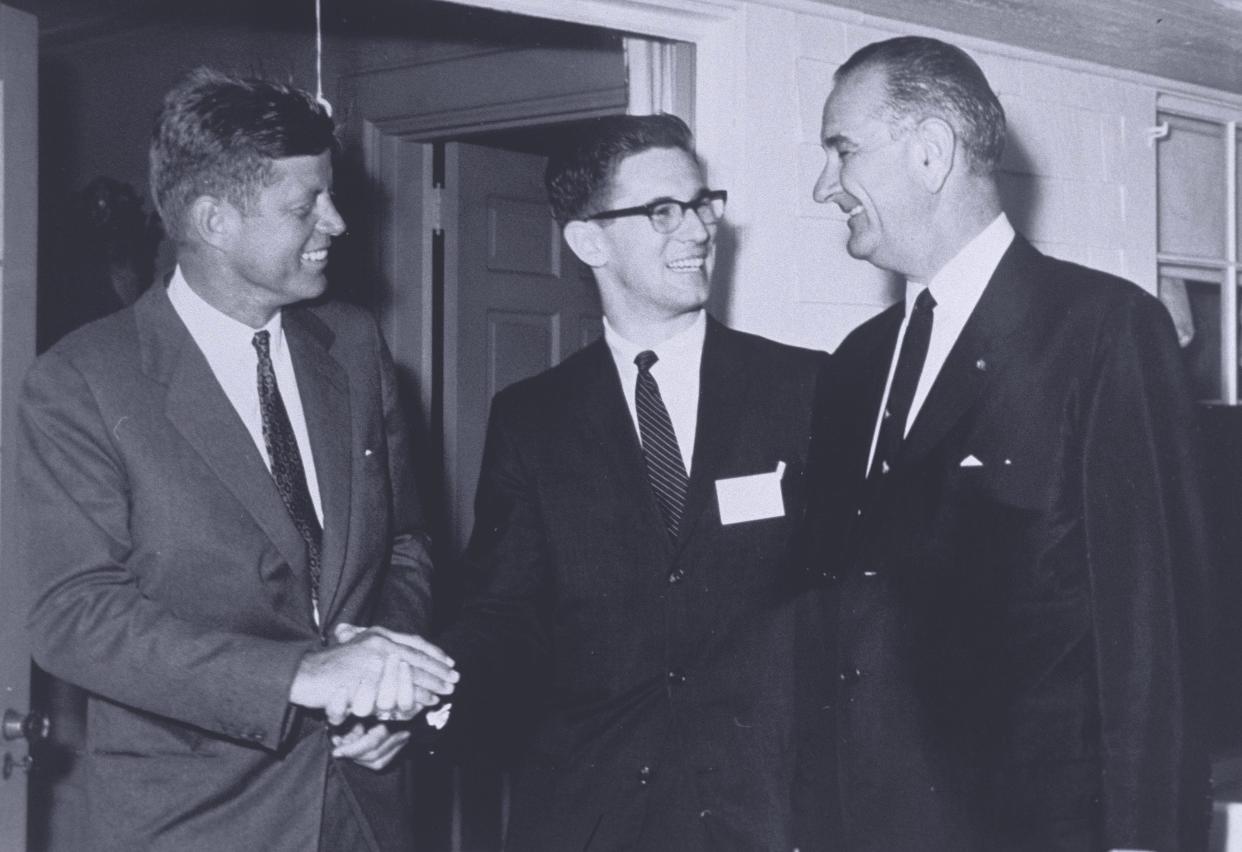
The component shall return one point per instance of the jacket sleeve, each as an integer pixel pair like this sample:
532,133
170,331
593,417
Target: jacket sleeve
90,622
499,638
405,600
1148,564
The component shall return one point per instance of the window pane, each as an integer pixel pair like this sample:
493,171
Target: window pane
1193,300
1191,187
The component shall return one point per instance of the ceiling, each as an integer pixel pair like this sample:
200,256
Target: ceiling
1194,41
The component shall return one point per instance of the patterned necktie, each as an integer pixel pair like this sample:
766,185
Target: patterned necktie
665,469
286,461
905,381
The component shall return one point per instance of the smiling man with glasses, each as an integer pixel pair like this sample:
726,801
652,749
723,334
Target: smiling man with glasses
633,522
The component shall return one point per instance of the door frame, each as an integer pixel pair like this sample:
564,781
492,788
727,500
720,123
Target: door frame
18,223
394,134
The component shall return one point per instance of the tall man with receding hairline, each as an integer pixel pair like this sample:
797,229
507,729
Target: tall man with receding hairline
1011,524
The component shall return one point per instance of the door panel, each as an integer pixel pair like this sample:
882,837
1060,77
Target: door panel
518,303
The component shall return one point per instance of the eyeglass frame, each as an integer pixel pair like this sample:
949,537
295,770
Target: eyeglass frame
704,199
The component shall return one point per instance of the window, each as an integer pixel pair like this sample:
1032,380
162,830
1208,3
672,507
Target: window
1198,232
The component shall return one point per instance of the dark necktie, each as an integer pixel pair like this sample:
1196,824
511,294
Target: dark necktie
665,469
905,381
286,461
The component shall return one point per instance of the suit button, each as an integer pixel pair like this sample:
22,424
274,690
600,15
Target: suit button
676,676
676,576
644,776
850,675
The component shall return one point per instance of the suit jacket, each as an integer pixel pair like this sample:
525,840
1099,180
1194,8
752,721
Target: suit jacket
1017,605
665,718
170,582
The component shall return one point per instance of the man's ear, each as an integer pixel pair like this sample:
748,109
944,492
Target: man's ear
587,241
935,152
212,220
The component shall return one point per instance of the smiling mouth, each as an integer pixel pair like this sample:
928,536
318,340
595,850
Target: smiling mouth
687,264
316,256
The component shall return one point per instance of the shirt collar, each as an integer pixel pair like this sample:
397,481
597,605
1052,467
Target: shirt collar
683,348
211,327
960,282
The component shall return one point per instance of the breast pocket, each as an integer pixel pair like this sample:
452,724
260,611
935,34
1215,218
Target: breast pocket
1004,478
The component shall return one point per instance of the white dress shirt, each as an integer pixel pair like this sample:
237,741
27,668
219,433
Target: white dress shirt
956,289
227,345
676,372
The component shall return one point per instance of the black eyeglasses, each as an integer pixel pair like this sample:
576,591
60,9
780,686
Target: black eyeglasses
666,214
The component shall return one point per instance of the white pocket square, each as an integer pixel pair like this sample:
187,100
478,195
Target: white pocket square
439,717
971,461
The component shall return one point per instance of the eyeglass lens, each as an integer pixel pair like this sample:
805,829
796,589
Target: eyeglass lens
667,217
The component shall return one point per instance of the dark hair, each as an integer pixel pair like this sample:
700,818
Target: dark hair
581,169
218,134
926,77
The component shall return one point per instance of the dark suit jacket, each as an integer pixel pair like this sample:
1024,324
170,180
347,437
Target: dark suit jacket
169,580
666,719
1017,607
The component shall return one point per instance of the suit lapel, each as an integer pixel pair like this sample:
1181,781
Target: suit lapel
324,389
198,408
602,403
722,382
981,351
862,415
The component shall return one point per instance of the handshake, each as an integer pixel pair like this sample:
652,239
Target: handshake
373,673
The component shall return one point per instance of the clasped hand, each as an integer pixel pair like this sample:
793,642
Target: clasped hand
373,672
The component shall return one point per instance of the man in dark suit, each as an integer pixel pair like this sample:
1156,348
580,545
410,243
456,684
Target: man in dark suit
219,484
1012,531
633,519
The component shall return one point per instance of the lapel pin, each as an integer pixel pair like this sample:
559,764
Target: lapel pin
981,365
367,453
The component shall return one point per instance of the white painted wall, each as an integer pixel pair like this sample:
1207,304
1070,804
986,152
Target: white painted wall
1079,177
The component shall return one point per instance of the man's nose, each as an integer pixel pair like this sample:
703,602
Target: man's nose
330,220
827,184
692,227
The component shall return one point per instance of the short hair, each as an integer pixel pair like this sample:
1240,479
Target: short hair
218,134
581,169
927,77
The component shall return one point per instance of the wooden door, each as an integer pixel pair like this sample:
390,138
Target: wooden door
517,300
18,213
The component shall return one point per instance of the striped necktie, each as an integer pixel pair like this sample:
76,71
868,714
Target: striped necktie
665,470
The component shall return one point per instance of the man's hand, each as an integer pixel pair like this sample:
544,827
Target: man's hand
373,747
373,669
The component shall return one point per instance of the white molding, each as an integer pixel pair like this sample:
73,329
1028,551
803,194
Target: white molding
685,20
511,113
659,77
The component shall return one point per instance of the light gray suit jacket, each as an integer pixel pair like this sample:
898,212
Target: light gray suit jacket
169,581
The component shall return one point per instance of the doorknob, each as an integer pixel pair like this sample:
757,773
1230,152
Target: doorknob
34,726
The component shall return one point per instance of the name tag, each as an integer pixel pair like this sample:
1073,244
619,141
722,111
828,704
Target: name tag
751,498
